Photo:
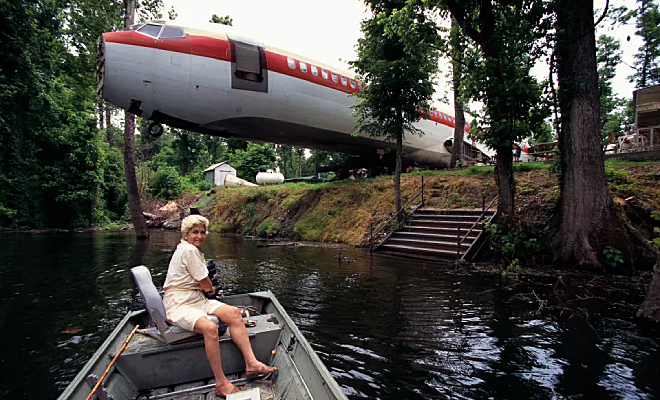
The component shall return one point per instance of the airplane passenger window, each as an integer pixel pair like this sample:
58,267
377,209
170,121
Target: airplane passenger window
324,73
150,30
291,62
303,66
352,83
343,80
334,77
360,85
315,70
171,32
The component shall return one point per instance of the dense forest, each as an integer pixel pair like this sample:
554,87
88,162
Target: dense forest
61,154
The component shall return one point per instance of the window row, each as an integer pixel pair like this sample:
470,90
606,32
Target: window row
324,73
440,115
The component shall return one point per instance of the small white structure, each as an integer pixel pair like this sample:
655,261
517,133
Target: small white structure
217,173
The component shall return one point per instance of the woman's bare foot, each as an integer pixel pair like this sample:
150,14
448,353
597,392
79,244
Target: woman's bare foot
258,368
225,388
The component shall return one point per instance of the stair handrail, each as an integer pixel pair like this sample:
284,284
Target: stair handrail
403,207
460,242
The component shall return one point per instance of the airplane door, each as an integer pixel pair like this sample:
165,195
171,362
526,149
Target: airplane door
249,67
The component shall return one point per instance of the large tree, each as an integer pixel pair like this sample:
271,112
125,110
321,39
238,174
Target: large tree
507,41
396,61
588,221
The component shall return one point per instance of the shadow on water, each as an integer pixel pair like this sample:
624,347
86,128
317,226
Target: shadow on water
386,328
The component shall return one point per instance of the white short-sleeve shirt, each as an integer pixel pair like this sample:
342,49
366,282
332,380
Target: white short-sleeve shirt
186,268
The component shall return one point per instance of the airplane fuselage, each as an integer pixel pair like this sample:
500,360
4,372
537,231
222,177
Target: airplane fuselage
218,82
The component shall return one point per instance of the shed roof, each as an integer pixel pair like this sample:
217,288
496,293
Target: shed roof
214,166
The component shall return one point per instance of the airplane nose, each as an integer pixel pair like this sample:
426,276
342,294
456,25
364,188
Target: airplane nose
100,65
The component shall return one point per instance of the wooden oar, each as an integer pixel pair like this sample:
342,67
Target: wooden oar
123,346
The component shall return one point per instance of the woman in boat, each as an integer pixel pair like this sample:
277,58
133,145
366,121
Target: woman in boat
187,307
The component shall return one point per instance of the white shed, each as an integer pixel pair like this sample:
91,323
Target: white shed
216,173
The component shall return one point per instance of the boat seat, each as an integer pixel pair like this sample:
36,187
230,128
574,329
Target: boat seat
167,332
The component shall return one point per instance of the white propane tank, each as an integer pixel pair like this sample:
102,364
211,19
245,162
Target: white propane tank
234,181
270,177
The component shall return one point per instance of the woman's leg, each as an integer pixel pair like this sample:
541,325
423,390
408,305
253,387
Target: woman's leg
212,346
231,316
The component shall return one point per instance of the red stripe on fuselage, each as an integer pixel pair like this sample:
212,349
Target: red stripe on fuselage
219,49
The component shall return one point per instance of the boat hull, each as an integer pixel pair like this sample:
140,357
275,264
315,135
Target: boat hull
148,367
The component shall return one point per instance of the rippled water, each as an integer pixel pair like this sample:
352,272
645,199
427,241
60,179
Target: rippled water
385,328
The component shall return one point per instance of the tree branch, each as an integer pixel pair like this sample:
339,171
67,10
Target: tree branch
457,12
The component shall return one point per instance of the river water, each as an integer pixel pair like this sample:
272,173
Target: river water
386,328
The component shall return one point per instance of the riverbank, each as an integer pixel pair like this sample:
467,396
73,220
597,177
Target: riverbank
342,212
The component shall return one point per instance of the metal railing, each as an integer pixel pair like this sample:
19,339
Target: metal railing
373,234
460,239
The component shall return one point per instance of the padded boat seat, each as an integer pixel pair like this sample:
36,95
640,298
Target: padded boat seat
167,332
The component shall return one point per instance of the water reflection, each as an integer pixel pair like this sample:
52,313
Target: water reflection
385,328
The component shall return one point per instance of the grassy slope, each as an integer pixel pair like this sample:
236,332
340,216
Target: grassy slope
342,211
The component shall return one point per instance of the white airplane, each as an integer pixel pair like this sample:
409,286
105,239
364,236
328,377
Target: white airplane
216,81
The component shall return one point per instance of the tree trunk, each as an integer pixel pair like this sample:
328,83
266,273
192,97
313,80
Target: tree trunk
397,173
504,174
300,151
134,205
101,115
459,115
459,129
587,217
108,125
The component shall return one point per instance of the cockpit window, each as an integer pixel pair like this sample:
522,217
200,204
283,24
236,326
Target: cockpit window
132,27
151,30
172,32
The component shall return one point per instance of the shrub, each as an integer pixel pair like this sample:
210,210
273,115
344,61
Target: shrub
165,183
267,228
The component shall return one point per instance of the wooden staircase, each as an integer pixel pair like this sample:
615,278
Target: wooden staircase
435,234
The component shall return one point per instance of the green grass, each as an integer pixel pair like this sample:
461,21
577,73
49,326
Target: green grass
624,163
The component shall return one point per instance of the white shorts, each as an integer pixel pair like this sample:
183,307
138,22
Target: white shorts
184,308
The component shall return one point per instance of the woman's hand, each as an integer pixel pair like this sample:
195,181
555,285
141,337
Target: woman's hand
210,292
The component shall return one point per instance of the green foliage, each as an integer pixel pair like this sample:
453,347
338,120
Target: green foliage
506,39
267,228
166,183
608,57
647,58
257,157
251,218
615,174
613,257
226,20
396,62
517,244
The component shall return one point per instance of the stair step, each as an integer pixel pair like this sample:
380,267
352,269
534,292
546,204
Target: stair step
449,218
444,224
433,211
427,244
432,237
440,231
416,250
